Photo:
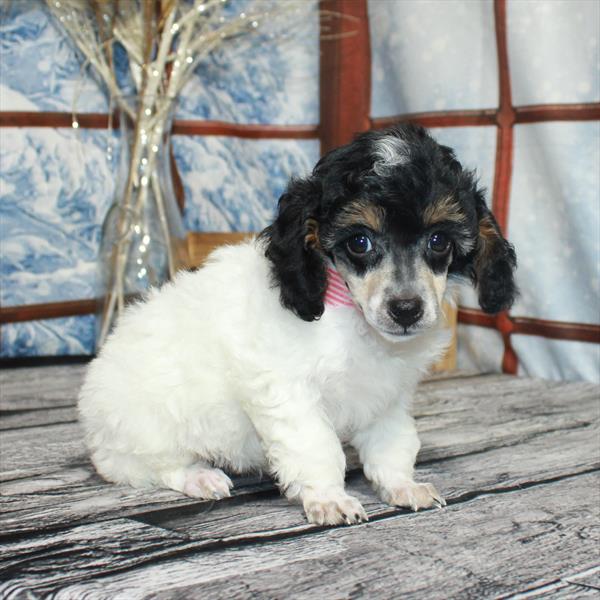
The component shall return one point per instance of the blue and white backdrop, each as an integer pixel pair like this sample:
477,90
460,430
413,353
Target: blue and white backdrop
56,184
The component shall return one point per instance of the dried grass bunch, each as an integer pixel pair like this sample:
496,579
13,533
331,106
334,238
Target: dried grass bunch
160,42
143,52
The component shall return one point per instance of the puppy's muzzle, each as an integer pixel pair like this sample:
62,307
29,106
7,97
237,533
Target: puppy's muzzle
405,311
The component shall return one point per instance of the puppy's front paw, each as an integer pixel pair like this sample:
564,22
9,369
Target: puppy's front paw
409,494
207,483
332,507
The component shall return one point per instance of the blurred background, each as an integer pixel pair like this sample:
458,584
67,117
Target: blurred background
513,86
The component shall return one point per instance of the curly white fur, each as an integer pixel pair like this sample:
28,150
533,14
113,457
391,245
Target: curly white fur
211,371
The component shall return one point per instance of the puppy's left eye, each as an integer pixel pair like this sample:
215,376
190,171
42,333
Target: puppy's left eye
359,244
439,242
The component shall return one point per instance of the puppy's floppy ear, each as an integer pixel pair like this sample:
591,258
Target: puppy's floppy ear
494,262
293,248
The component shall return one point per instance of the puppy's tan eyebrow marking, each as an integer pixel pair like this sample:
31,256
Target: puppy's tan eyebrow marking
311,238
446,209
488,237
362,212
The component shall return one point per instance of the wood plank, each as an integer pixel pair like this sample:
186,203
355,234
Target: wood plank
55,484
558,112
92,549
47,310
18,419
253,131
201,244
589,579
558,330
578,585
184,127
495,544
344,72
39,451
80,496
444,118
257,510
40,387
562,591
459,479
471,118
469,414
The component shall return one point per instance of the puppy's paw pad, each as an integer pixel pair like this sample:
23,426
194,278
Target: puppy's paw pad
413,495
334,509
207,483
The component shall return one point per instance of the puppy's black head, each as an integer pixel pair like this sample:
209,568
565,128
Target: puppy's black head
397,214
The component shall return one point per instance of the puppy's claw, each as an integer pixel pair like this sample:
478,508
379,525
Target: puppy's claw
332,507
207,483
415,496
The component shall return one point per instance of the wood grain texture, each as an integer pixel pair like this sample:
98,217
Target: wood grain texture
40,387
19,419
493,545
345,72
89,550
55,484
458,479
578,585
517,460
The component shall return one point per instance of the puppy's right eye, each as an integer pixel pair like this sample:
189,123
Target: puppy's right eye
359,244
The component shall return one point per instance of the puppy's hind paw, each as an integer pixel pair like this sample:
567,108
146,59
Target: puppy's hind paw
332,508
206,483
409,494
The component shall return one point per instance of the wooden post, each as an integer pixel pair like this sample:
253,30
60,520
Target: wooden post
345,72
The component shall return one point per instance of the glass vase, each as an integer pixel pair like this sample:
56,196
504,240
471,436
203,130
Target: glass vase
143,240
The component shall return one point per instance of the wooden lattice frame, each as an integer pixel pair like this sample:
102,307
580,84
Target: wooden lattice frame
345,89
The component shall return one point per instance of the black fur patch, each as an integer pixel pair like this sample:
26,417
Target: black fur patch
415,184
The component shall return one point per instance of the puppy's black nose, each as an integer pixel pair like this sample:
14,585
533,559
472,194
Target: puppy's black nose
405,311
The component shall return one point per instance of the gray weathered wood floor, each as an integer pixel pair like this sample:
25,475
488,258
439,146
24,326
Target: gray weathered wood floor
517,459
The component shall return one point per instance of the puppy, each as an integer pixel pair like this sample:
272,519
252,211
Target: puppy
312,335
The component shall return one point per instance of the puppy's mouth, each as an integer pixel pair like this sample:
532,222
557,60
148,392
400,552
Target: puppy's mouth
399,335
395,333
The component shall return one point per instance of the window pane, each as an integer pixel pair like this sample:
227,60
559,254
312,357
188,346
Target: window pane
553,51
56,186
432,55
554,220
557,359
234,184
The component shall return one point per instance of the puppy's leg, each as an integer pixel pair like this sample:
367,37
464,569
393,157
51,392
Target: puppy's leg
180,472
304,453
199,481
388,449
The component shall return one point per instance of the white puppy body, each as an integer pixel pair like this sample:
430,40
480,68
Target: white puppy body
211,371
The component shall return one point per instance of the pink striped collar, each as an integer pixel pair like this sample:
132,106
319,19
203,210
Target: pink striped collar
337,293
